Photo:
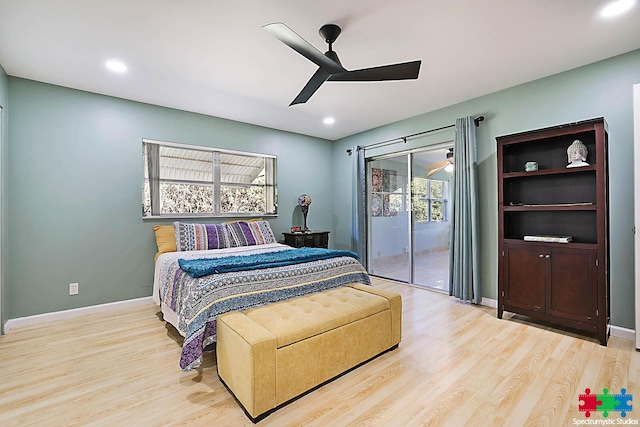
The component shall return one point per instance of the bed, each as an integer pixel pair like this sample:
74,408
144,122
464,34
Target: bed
192,304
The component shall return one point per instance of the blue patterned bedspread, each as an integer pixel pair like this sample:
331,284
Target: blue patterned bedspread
204,266
198,301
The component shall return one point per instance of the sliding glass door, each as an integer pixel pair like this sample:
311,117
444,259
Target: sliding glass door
409,216
431,219
389,218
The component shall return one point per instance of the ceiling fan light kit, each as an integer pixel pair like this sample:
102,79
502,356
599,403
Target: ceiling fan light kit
447,165
329,65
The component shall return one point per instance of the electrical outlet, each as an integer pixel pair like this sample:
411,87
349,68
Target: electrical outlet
73,289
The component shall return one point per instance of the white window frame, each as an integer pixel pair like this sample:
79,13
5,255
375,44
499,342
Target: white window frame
270,185
444,199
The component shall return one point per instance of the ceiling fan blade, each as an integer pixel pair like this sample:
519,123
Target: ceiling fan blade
433,171
440,164
319,77
287,36
403,71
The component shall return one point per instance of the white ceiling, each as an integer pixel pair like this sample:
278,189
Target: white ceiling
213,57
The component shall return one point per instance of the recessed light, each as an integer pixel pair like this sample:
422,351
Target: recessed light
329,120
116,66
616,8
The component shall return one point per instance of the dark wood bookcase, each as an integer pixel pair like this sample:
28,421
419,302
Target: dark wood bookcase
562,283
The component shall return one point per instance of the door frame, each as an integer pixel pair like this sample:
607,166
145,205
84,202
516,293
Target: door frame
442,143
636,168
1,221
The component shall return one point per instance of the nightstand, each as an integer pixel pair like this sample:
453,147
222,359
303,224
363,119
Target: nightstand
314,239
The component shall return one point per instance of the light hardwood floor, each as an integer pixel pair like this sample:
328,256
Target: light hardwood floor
430,269
457,365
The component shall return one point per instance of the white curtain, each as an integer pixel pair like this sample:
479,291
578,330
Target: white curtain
463,261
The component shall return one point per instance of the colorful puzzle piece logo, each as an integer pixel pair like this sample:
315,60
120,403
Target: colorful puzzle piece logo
623,402
605,402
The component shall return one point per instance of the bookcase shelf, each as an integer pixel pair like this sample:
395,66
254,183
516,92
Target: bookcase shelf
557,207
556,171
568,245
563,283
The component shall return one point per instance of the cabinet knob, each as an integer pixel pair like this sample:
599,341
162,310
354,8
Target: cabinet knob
547,256
541,255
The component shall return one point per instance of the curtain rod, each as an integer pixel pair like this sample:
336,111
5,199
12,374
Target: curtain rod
477,121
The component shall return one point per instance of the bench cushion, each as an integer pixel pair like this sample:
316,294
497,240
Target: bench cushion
302,318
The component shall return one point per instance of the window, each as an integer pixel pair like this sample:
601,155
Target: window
183,180
429,199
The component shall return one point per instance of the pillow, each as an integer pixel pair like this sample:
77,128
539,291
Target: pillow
249,233
196,237
247,220
165,238
262,232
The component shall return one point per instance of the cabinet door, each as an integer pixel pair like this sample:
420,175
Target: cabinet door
572,291
321,240
524,276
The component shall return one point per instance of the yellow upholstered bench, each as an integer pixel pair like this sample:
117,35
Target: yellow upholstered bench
269,355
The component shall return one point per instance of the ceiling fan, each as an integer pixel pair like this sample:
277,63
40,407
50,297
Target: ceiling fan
443,164
329,65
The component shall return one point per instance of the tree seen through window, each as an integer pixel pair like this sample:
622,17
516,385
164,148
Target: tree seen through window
429,199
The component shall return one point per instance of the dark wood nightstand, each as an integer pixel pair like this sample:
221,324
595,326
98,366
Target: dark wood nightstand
314,239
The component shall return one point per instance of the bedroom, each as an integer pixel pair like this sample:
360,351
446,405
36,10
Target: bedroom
72,170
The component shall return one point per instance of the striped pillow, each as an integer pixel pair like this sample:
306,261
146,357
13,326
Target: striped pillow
196,237
249,233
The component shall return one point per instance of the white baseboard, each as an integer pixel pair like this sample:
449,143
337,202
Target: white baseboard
616,331
620,332
75,312
488,302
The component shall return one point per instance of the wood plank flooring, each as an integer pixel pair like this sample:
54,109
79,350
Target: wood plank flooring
457,365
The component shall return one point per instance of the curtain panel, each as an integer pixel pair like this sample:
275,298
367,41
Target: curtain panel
463,262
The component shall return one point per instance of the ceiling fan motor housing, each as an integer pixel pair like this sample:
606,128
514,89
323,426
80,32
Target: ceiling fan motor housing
330,33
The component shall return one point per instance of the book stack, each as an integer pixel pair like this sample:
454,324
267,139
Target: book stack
554,239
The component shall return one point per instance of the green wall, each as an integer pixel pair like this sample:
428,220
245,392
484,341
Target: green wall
75,183
602,89
4,103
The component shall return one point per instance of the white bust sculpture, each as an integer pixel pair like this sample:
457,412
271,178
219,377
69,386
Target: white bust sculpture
577,154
